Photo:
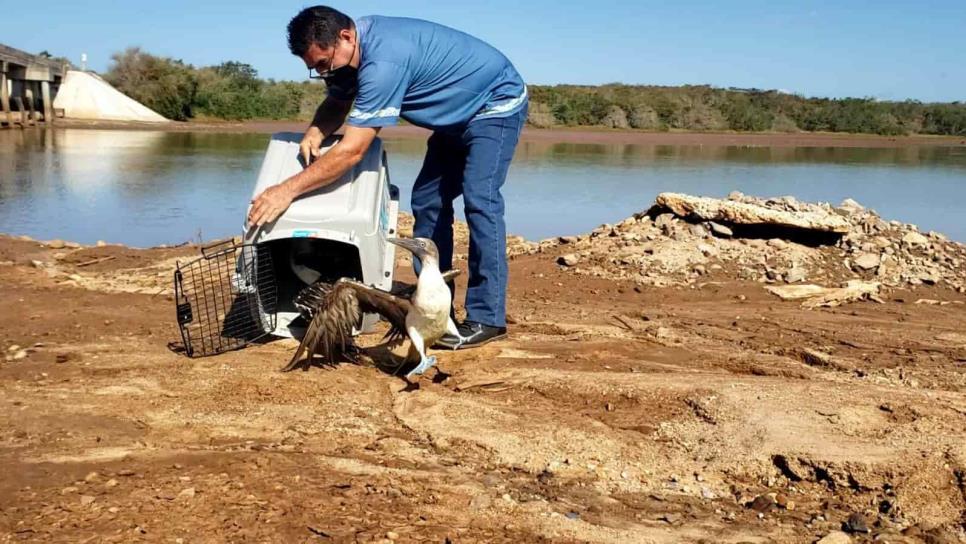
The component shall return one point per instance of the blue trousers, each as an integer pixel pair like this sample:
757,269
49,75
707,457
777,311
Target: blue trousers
471,161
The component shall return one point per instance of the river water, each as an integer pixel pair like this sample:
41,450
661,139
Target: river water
144,188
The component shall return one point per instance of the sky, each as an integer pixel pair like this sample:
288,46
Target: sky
881,49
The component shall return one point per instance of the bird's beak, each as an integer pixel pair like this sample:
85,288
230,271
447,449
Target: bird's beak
407,243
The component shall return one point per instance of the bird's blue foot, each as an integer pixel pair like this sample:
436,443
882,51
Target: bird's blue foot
424,364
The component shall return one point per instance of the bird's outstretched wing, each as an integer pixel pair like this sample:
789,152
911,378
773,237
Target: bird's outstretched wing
336,309
310,298
450,275
407,289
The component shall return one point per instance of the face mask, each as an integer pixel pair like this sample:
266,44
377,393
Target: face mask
345,78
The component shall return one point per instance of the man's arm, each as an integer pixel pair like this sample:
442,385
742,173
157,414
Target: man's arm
272,202
331,114
328,118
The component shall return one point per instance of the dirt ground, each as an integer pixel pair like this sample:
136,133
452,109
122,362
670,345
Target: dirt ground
614,413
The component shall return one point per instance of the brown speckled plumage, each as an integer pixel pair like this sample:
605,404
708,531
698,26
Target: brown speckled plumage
334,309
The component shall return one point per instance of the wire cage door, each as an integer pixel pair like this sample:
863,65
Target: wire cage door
226,298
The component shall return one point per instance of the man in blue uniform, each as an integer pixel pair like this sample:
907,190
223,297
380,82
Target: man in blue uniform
379,69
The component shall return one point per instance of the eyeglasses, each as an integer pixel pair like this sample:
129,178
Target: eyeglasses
320,73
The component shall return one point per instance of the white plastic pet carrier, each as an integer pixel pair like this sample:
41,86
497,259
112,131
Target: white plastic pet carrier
236,293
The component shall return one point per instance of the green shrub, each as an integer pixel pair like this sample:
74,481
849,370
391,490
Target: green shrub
945,119
166,86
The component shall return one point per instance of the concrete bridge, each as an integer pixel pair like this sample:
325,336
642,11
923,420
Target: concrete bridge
28,84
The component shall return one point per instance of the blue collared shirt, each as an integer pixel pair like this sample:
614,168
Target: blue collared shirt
430,75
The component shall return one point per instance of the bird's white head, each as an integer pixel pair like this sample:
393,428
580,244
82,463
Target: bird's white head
423,248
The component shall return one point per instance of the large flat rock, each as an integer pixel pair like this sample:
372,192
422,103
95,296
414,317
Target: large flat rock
743,213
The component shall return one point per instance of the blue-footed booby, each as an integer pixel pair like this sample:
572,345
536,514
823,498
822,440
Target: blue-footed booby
422,314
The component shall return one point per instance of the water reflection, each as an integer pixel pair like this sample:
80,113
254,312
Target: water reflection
135,187
145,188
638,155
632,155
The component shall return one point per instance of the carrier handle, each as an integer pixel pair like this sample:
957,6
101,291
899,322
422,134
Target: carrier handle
206,249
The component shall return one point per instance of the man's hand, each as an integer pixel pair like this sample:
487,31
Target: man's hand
311,144
345,154
270,204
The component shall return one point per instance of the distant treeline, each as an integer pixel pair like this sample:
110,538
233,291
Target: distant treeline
230,90
233,90
707,108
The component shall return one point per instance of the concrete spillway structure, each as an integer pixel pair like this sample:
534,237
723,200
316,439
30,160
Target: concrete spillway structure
84,95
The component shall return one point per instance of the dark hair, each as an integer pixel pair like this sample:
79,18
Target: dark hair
319,25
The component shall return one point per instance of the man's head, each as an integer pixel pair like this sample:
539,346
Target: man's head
323,37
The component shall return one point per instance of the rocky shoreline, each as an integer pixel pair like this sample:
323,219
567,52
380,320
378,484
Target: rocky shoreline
686,241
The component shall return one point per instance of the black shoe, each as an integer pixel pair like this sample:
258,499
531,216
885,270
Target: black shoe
473,335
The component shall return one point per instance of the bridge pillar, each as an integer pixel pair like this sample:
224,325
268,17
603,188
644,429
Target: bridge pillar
5,96
48,104
23,110
28,94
